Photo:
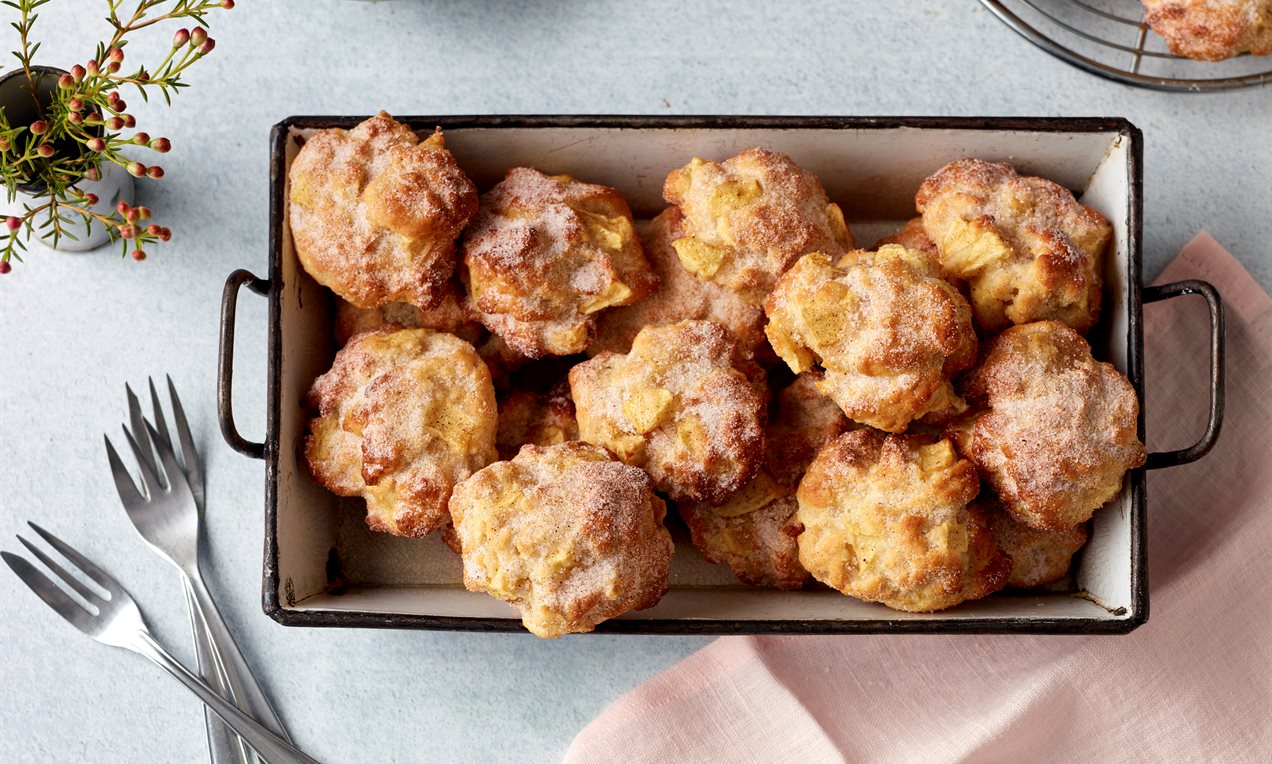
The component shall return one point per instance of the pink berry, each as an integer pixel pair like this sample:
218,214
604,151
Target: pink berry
66,81
123,207
162,145
143,213
5,267
207,47
138,255
136,169
128,231
117,55
133,215
96,144
141,139
77,73
39,127
115,123
45,150
197,36
227,4
153,229
12,223
165,234
91,198
155,172
76,105
129,120
180,38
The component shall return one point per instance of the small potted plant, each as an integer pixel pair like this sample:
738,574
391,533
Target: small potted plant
63,134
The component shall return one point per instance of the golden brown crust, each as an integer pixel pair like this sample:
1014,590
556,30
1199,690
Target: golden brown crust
1027,249
374,212
1053,430
686,404
1212,30
541,419
759,546
754,532
1037,557
565,533
545,255
680,295
403,416
886,519
882,332
749,218
450,315
911,236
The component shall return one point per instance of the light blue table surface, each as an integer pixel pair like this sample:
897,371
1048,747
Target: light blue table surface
74,328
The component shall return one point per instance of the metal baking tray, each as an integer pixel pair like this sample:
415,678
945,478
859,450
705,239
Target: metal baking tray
323,567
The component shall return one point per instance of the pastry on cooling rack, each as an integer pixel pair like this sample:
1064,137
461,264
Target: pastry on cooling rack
754,532
1052,430
749,218
882,331
911,236
374,212
565,533
687,404
1027,249
547,253
403,416
538,418
1037,557
886,518
451,314
1212,30
680,295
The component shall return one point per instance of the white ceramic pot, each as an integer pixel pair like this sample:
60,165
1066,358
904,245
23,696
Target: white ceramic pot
115,183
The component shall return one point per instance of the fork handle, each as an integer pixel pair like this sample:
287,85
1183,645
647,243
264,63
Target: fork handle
267,745
224,747
247,693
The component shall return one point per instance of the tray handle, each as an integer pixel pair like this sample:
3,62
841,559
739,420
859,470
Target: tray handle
1160,459
225,361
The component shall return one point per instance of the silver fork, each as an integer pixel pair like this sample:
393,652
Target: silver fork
224,747
166,514
112,618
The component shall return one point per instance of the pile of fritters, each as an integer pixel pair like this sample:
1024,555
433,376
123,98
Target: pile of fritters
917,424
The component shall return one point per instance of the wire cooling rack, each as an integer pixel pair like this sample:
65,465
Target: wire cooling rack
1109,38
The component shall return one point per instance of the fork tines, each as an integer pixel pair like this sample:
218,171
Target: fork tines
56,596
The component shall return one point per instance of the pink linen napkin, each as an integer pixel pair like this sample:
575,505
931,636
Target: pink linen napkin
1193,684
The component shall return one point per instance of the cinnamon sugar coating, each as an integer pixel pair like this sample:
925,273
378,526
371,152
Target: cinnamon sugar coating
545,255
1052,430
754,532
1037,557
886,519
374,212
1027,249
882,332
1212,30
565,533
539,418
686,404
450,315
403,416
911,236
749,218
680,295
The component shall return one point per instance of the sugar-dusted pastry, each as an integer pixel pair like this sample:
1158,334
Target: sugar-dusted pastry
500,359
539,418
566,533
886,519
1052,429
754,532
1027,249
1212,30
882,332
403,416
686,405
911,236
1037,557
451,315
680,295
374,212
749,218
545,255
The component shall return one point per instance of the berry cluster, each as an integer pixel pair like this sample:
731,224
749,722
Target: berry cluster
83,124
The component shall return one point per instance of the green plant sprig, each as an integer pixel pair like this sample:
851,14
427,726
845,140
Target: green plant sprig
81,126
